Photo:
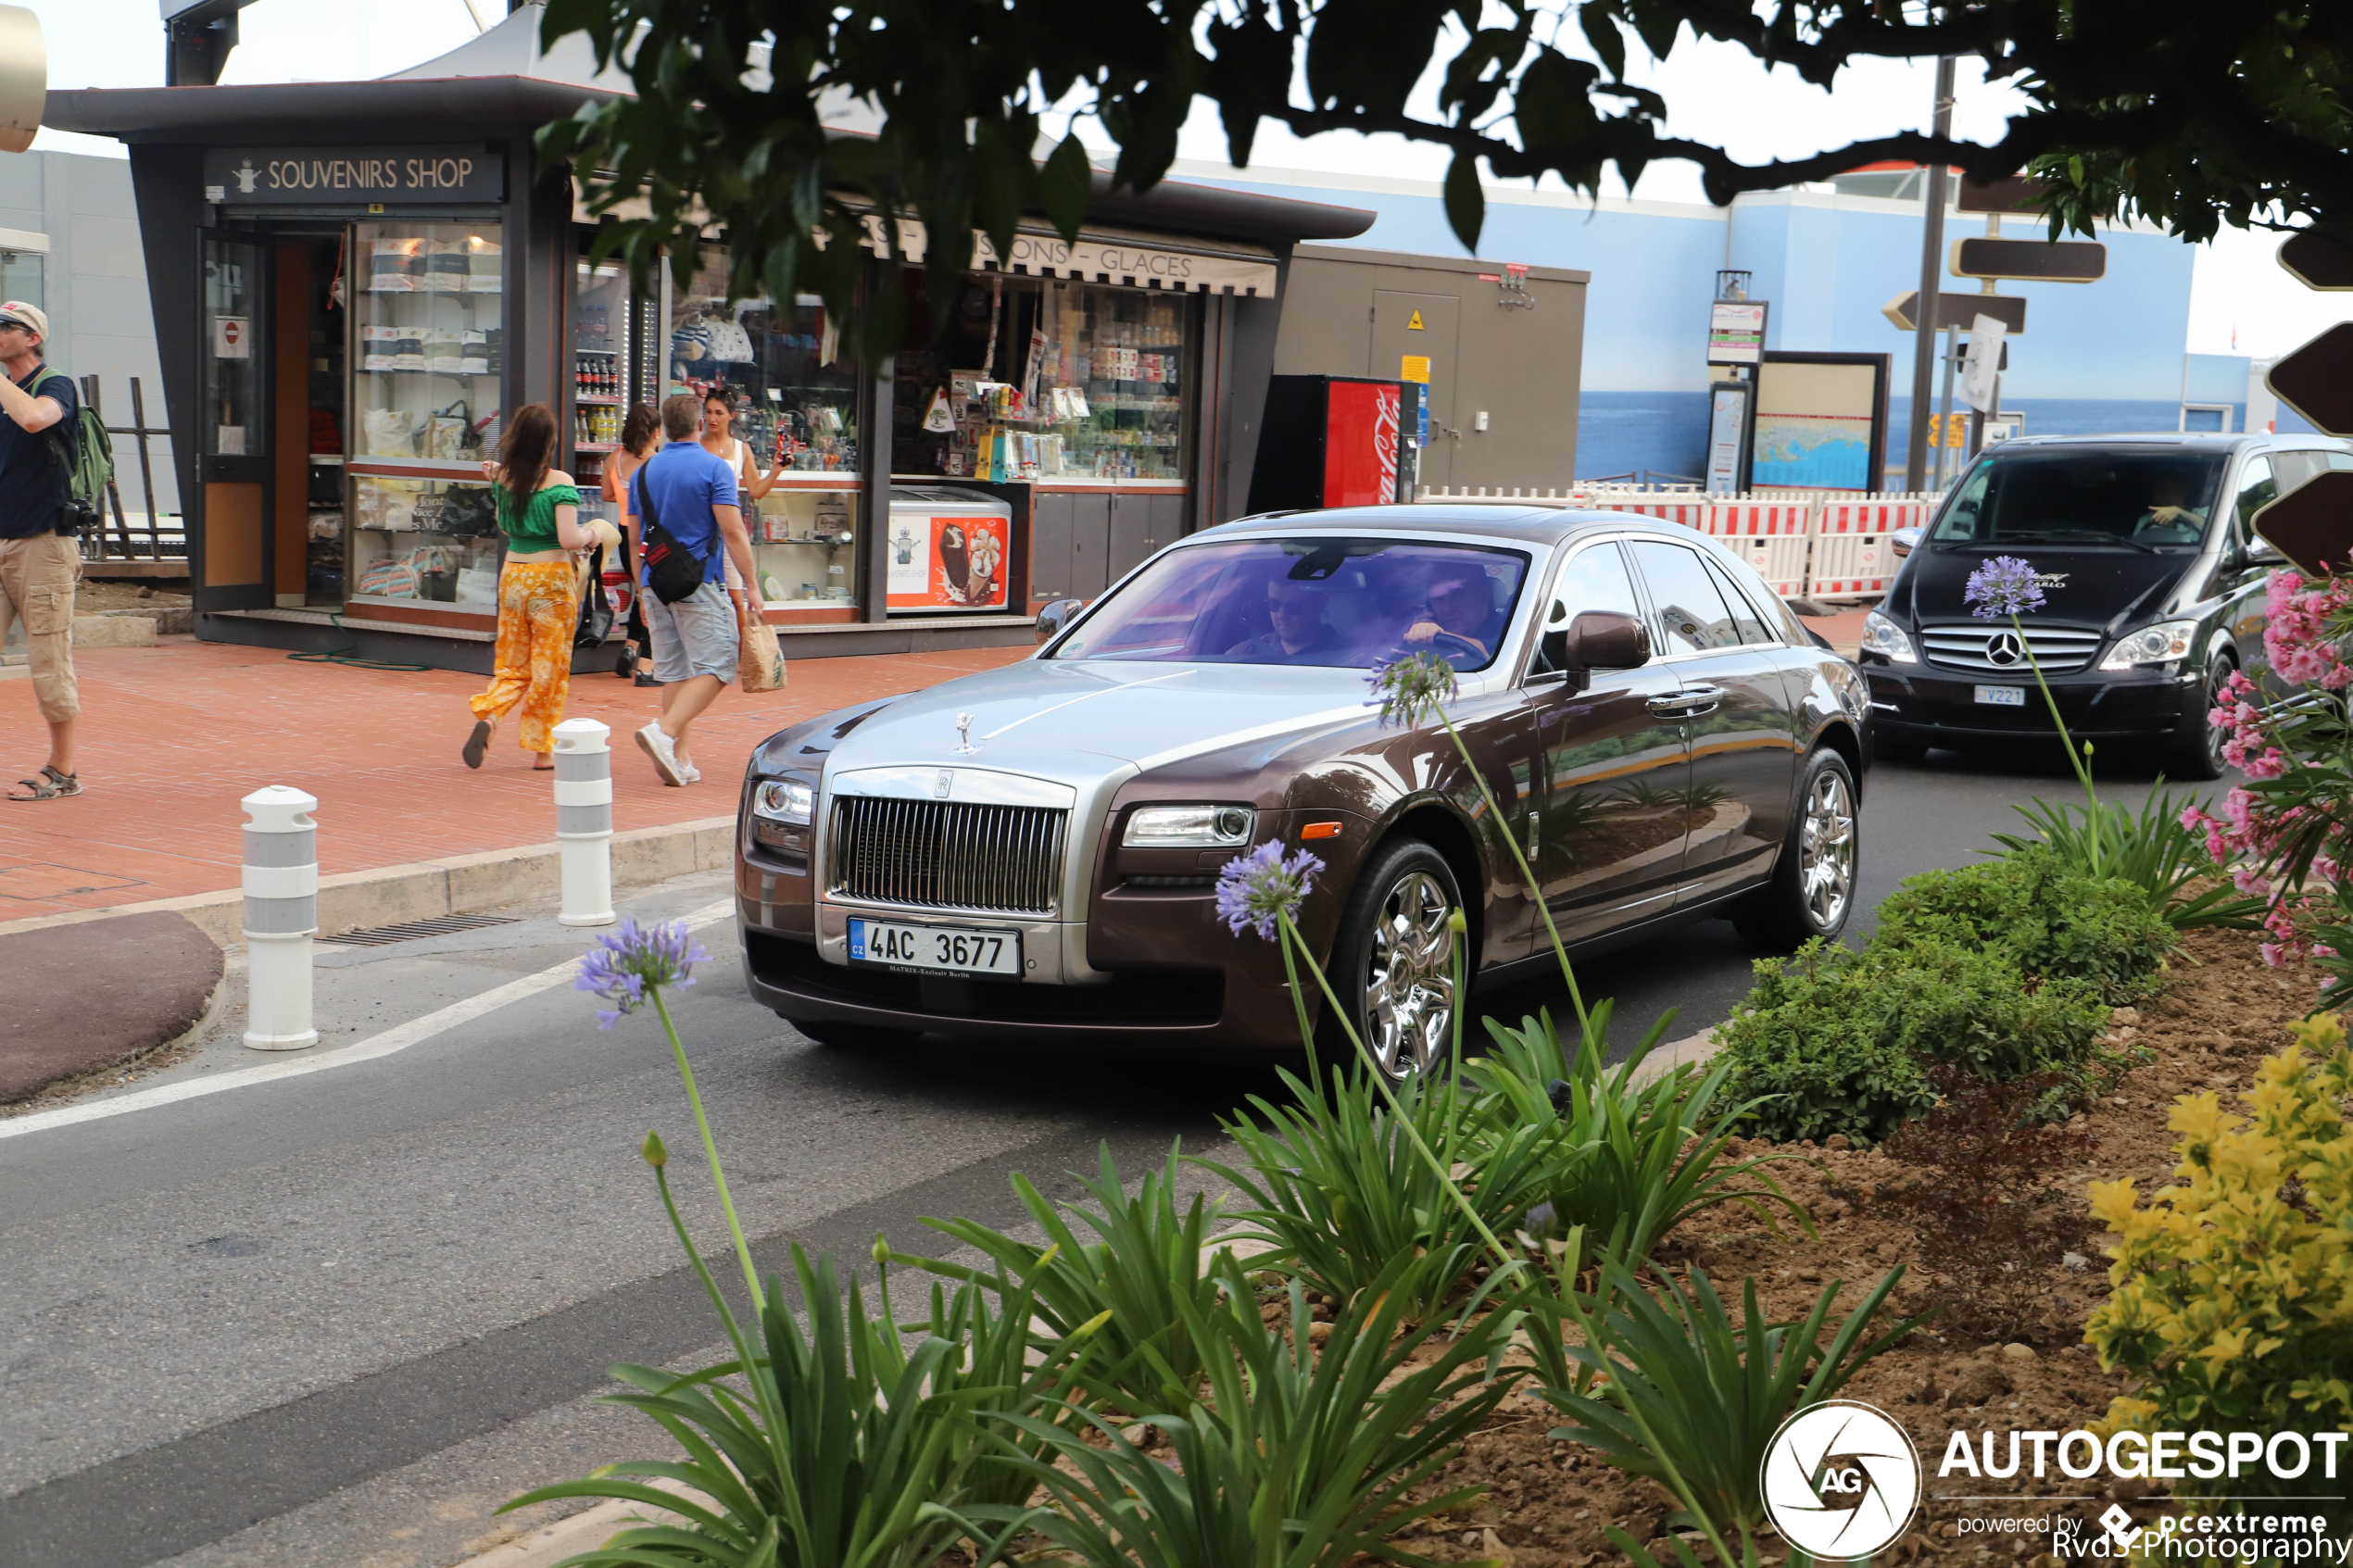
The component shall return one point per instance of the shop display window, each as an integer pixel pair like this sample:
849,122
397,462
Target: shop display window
805,543
602,320
430,317
425,541
795,391
1050,378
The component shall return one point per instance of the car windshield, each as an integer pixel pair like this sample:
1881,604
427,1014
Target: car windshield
1310,601
2145,498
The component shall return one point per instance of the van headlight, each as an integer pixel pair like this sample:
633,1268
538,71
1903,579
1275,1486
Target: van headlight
1886,639
1190,827
2161,644
784,800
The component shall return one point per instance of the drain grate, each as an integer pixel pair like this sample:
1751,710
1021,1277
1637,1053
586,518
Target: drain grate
409,931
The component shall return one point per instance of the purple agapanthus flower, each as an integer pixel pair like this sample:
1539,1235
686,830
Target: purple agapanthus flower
1255,888
2002,587
1410,691
621,966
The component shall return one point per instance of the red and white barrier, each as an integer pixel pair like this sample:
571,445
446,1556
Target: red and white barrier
1819,547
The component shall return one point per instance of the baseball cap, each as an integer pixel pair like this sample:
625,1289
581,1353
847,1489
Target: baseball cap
26,315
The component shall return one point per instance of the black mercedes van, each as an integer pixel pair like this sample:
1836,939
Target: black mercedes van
2153,589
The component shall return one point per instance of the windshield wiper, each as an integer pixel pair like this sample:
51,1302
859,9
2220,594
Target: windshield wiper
2093,535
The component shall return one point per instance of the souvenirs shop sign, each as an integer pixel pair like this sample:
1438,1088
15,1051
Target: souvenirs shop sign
258,176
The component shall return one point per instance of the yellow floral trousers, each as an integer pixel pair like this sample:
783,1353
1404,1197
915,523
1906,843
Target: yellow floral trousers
538,615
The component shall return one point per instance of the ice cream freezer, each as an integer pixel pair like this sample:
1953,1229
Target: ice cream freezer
948,549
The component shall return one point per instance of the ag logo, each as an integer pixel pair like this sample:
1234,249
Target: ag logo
1840,1480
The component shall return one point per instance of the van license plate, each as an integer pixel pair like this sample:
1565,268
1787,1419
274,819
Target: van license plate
2002,697
942,949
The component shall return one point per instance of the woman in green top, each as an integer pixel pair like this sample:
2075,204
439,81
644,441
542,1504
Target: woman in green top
539,605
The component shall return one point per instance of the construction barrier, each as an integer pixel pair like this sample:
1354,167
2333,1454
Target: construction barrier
1818,546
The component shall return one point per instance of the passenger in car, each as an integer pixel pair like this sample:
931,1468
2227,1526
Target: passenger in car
1298,633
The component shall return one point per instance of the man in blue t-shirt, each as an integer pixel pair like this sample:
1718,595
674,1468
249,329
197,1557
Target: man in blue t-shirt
40,557
695,641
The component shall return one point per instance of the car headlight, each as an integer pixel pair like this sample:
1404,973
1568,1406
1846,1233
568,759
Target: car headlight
2161,644
784,800
1886,639
1190,827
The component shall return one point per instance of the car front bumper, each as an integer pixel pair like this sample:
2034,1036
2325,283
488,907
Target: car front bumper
1921,701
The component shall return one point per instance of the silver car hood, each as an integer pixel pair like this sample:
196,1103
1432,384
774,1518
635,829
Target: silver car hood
1071,720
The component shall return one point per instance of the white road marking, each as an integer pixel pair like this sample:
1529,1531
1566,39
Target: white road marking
398,1038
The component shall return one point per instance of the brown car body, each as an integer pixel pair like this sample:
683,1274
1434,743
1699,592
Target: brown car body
1630,841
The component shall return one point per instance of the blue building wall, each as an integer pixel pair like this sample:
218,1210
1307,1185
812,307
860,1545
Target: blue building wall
2099,356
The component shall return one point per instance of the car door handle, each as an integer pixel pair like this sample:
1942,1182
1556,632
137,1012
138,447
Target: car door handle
1690,703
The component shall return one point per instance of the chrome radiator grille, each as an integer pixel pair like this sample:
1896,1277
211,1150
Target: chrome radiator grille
939,854
2059,651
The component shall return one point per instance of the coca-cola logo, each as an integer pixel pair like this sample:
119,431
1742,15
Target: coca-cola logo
1385,437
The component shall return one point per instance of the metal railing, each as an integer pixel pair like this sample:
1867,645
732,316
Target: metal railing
162,544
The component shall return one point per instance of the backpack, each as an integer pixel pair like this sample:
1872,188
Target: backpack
85,455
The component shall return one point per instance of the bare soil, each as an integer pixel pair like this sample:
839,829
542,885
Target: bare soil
1549,1500
95,598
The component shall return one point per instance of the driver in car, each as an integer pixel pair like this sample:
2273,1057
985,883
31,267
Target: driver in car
1457,625
1298,634
2169,517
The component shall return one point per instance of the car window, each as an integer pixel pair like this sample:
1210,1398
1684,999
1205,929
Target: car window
2146,495
2292,469
1313,600
1594,579
1688,613
1744,618
2340,459
2256,491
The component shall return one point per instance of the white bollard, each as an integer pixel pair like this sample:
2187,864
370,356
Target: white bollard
583,821
282,915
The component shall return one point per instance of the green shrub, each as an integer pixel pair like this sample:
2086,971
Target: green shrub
2154,851
2058,924
1841,1039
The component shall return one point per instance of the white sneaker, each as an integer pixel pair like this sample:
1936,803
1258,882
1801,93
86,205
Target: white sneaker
689,772
657,745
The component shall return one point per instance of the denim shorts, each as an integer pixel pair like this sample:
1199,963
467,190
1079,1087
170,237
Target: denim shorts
695,636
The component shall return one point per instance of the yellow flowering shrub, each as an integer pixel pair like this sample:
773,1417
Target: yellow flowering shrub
2233,1292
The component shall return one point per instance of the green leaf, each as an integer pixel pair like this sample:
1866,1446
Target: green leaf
1603,33
1065,183
1466,203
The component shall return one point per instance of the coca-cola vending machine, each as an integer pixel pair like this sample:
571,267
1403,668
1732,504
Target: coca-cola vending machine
1331,441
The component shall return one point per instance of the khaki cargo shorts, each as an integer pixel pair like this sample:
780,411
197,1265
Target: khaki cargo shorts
36,587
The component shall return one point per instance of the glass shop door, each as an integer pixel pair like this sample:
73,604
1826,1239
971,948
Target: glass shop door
233,550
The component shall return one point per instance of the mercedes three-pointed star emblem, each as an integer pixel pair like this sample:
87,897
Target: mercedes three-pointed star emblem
2004,650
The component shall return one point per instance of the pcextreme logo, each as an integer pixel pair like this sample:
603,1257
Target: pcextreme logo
1841,1480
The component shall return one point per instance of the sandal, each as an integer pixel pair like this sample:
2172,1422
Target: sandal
50,785
477,742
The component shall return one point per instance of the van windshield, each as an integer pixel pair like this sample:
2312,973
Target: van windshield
1315,601
2143,498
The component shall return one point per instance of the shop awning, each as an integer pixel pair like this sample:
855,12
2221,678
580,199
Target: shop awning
1130,257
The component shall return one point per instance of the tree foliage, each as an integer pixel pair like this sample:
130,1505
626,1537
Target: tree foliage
2186,112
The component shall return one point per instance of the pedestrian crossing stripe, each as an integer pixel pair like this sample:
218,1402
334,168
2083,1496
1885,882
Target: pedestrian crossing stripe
1416,324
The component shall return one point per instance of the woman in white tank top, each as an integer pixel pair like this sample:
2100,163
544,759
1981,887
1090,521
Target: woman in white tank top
718,414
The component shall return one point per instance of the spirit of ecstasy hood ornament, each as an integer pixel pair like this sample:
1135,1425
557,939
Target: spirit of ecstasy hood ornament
964,745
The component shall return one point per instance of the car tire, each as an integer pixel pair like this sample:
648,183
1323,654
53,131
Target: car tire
837,1034
2198,754
1393,961
1812,890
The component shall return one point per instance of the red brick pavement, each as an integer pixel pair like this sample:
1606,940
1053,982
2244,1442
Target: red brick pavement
173,737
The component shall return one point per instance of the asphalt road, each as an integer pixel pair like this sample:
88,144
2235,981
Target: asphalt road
335,1319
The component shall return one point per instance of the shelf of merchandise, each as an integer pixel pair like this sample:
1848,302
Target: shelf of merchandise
595,445
597,398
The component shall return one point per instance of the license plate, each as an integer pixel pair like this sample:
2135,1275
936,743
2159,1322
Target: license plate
2002,697
942,949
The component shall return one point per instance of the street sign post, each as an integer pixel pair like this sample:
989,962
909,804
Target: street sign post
2312,524
1957,310
2314,380
2318,258
2036,261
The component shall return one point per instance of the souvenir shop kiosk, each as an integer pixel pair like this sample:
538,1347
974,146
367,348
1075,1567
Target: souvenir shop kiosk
353,281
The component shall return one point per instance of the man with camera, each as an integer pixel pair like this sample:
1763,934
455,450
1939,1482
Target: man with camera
39,555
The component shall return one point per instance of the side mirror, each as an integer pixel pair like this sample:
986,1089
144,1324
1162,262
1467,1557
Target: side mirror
1603,639
1902,541
1055,616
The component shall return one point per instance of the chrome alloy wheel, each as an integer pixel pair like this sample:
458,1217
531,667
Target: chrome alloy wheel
1825,850
1409,976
